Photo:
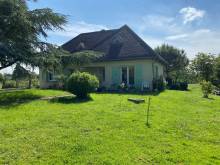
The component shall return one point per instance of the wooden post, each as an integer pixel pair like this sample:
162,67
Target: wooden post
148,111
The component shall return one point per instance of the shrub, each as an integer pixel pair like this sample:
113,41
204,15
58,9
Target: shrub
81,84
158,84
183,86
206,88
9,84
101,89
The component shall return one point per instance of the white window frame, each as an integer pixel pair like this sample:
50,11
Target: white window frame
53,77
127,69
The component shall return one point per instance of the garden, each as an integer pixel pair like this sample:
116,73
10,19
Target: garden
108,129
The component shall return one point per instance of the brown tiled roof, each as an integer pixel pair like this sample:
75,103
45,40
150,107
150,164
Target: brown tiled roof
118,44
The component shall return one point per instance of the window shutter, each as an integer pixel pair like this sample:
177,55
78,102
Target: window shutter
138,74
116,76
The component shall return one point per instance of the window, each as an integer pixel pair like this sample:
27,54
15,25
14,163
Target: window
103,74
131,75
156,72
124,75
128,75
50,76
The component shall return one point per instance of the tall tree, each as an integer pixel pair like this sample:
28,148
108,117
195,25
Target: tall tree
217,68
21,31
176,58
203,65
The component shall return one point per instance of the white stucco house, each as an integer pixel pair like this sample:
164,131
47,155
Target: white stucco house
127,59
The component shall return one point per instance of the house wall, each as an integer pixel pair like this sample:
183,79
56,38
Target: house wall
44,82
144,72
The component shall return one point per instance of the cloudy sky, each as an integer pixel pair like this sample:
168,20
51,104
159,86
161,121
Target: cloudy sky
192,25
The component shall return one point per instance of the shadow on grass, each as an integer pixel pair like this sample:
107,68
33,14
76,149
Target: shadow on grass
209,98
15,98
150,93
70,100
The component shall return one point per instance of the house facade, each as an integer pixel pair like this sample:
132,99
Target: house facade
127,59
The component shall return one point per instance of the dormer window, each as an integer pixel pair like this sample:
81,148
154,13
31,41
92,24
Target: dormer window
117,40
81,46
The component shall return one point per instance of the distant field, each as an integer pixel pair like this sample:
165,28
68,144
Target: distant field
107,129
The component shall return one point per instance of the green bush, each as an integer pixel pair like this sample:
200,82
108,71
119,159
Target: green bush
158,84
206,88
183,86
9,84
81,84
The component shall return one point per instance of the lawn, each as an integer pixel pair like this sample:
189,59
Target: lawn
107,129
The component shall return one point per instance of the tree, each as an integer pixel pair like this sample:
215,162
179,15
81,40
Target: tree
203,65
19,73
176,58
21,32
1,80
79,59
217,68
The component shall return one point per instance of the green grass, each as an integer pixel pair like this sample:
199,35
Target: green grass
107,129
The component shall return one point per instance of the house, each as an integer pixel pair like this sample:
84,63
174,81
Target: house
127,59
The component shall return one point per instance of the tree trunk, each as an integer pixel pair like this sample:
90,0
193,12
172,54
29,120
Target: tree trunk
17,83
29,82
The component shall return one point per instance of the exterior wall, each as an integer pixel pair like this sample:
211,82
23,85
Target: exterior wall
44,82
144,72
146,67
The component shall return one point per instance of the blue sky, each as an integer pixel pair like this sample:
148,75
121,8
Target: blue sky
193,25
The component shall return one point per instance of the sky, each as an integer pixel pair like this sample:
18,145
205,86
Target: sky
192,25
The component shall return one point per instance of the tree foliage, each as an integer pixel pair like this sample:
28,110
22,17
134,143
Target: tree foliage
176,58
203,65
1,78
79,59
21,31
217,68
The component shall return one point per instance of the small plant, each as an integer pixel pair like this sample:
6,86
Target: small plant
158,84
206,88
123,87
81,84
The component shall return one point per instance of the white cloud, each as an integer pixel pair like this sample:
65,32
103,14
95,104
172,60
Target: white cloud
201,40
152,42
175,37
158,23
74,29
190,14
157,20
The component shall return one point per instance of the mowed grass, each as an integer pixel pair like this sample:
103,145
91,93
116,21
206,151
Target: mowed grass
107,129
